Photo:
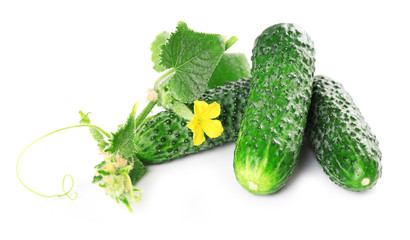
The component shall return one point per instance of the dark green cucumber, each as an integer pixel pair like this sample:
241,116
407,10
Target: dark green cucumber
165,136
273,125
342,140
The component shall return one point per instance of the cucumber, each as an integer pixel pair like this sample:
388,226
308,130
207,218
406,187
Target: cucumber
165,136
341,138
273,124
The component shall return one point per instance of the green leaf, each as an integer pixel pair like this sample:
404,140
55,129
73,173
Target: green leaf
101,165
124,200
156,45
97,135
122,142
192,56
232,67
97,179
137,172
84,118
104,173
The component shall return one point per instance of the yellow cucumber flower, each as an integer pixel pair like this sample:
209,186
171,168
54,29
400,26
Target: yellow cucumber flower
202,121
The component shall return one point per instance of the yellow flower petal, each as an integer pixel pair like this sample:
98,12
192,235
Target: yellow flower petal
199,107
212,111
199,137
193,123
195,127
212,128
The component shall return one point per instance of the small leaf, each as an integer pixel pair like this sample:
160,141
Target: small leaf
122,142
84,118
97,135
232,67
125,201
100,165
156,45
97,178
102,172
137,172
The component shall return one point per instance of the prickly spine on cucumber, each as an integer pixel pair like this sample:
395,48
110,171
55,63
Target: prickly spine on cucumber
341,138
165,136
273,124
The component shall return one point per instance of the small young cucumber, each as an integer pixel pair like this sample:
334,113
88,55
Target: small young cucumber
342,140
273,125
165,136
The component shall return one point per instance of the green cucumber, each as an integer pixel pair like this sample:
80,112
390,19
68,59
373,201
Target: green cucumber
165,136
341,138
273,124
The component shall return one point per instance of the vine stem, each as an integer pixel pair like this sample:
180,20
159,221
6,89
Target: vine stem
65,193
144,113
163,79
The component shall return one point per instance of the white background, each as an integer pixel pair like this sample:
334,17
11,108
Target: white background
57,57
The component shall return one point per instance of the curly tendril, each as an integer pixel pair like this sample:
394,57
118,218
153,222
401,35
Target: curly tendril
65,193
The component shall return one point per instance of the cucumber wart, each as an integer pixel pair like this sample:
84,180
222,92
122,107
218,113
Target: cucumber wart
341,138
272,128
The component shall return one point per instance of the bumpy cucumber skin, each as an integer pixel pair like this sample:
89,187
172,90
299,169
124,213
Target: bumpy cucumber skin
341,138
273,124
165,136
